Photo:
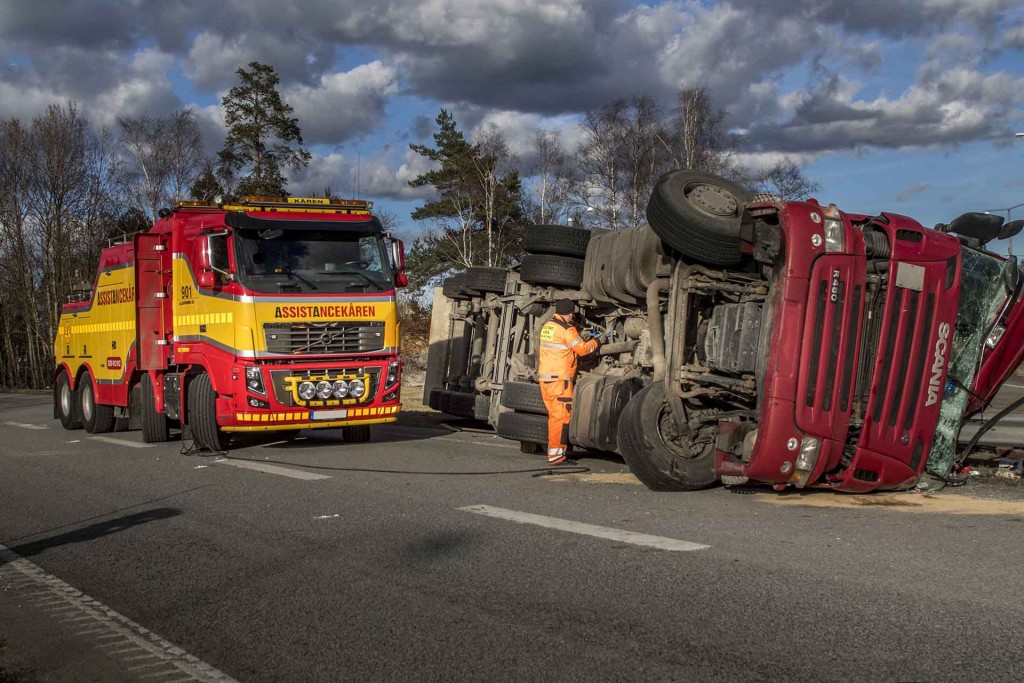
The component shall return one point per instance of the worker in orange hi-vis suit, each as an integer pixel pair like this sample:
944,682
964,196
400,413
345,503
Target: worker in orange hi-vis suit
560,343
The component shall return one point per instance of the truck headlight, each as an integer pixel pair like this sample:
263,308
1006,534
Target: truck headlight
835,233
356,388
392,376
307,390
340,389
810,449
324,390
254,380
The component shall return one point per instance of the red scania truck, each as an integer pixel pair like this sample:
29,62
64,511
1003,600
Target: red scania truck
264,314
752,340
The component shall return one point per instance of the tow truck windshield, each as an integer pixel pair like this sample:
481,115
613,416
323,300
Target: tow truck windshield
326,261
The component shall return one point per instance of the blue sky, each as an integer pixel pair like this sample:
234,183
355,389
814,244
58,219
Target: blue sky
908,107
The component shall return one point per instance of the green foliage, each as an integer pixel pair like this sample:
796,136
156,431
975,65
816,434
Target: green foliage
477,211
206,187
263,137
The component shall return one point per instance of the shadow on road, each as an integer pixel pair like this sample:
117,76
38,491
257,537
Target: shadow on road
93,531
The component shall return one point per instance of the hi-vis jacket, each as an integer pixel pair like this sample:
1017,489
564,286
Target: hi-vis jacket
560,343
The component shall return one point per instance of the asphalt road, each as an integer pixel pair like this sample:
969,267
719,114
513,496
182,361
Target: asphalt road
353,574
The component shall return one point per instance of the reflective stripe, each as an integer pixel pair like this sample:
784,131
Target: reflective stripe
556,451
551,345
574,342
549,377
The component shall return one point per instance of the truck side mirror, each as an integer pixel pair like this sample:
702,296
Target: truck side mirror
212,257
1011,275
398,257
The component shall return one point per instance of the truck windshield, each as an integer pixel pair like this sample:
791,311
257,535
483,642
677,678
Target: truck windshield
326,261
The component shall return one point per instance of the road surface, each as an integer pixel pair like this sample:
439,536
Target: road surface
431,555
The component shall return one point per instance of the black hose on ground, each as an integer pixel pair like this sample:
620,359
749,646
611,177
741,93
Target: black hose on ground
539,471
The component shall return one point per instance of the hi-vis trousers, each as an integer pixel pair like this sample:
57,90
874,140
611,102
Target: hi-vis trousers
558,400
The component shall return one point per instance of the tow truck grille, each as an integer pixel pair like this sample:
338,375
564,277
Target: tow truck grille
326,338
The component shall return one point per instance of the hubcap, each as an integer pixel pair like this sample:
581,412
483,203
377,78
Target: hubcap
65,399
87,402
713,200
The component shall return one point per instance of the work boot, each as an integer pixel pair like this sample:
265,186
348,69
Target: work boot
564,462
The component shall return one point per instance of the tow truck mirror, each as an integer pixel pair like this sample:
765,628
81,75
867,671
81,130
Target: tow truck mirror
398,257
212,257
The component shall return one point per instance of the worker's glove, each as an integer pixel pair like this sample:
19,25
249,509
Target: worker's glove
590,334
609,335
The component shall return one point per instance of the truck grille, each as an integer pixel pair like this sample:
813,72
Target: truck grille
324,338
907,330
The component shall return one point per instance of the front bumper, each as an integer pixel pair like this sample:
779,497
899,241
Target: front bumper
278,406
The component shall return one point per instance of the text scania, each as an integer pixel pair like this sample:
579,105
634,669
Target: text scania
335,311
115,296
935,383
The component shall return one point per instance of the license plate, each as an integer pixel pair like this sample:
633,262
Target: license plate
329,414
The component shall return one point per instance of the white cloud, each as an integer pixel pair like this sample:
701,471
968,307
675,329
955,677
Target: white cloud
343,105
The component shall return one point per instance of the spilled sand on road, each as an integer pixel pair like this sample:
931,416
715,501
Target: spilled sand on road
597,478
944,503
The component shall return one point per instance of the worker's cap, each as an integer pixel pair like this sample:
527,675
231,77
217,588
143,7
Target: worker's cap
565,306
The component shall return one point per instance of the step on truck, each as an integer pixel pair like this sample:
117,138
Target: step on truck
752,340
263,314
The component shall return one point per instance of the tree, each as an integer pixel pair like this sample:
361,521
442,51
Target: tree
263,137
166,158
786,180
206,187
477,211
552,175
698,137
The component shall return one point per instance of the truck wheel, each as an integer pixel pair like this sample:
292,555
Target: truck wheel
154,424
453,287
96,417
356,434
523,427
660,458
698,214
462,404
65,399
524,397
485,279
482,407
202,414
556,239
558,271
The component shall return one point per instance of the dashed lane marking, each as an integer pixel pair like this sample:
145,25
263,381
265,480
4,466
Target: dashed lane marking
25,425
273,469
121,442
631,537
135,641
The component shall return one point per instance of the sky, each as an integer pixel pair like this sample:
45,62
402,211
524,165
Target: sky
905,106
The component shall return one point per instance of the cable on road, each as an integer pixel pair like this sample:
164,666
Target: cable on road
538,471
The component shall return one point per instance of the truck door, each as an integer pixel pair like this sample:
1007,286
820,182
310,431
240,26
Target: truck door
152,278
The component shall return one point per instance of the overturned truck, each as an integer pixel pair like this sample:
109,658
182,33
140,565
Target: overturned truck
751,340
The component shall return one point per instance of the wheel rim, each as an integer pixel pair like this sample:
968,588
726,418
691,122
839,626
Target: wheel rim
65,398
713,200
87,403
678,444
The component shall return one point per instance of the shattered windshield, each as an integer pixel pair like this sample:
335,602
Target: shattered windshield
327,261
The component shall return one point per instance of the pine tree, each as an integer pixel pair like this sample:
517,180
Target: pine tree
263,137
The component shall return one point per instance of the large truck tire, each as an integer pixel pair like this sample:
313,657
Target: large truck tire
558,240
482,407
461,404
96,417
154,425
482,279
698,214
356,434
202,414
452,287
65,400
556,271
524,397
661,464
523,427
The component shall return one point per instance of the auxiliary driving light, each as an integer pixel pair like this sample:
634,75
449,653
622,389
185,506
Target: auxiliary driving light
356,388
340,389
324,389
254,380
307,390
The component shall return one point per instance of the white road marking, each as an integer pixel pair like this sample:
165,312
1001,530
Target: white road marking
273,469
1014,385
327,516
139,641
619,535
25,425
121,442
